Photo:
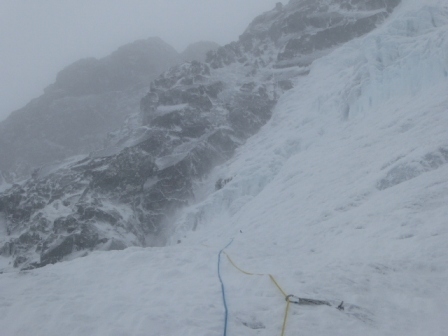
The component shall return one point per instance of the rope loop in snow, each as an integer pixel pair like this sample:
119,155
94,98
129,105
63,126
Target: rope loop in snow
289,298
275,283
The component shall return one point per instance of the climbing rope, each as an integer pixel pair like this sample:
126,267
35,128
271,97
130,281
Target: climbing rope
248,273
285,319
276,284
289,298
223,290
239,269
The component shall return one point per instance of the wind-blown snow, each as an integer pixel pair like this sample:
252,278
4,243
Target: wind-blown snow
342,196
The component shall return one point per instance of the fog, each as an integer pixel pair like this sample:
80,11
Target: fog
39,38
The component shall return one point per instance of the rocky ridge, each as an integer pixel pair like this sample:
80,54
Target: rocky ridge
89,98
193,118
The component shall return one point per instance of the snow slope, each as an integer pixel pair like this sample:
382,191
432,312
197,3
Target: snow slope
342,196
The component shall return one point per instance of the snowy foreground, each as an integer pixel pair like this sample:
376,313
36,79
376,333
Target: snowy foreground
343,196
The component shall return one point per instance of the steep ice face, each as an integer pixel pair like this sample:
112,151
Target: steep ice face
376,102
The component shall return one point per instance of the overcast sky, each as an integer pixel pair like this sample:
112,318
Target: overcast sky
40,37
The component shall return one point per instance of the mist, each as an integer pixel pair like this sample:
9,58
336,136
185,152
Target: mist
39,38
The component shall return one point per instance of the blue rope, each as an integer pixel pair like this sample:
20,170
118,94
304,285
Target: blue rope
222,288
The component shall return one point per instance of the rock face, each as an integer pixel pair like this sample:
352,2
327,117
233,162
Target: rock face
71,208
193,118
89,98
303,30
198,51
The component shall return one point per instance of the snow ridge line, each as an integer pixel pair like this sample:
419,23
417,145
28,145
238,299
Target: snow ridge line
223,290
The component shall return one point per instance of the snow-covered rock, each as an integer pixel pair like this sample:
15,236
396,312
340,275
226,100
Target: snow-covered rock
193,118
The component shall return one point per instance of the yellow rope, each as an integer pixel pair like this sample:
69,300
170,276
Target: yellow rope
278,286
275,283
239,269
286,317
